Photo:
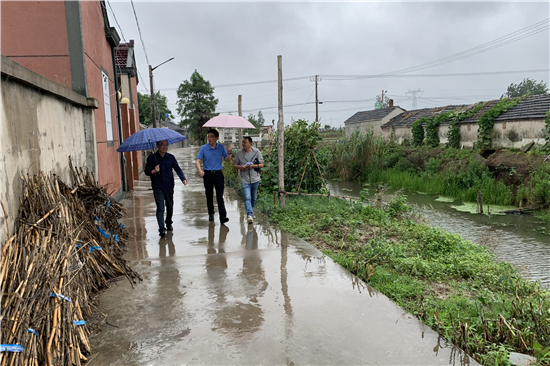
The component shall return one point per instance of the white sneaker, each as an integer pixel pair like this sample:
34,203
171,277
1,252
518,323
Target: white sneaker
250,219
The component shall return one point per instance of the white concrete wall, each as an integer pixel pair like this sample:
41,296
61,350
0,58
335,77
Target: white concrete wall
400,134
39,132
515,134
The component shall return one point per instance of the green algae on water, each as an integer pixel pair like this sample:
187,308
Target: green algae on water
471,207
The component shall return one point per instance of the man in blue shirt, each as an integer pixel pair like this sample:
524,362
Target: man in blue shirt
159,167
212,155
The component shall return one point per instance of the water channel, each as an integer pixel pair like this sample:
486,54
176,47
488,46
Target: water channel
522,240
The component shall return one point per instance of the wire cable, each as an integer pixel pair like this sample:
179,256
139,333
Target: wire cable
296,116
139,31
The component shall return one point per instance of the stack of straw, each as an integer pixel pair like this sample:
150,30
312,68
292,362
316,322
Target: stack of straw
67,245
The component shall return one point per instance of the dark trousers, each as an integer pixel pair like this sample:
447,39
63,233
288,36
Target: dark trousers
163,197
211,181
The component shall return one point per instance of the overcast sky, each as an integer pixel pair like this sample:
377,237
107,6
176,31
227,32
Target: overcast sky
345,44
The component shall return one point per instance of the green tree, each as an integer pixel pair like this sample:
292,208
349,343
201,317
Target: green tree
385,103
261,119
196,105
526,87
256,121
144,105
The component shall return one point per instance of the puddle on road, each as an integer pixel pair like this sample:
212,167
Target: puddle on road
248,294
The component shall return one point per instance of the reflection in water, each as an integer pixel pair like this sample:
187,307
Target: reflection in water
287,305
136,228
239,311
168,293
164,242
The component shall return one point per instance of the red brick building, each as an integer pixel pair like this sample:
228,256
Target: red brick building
73,44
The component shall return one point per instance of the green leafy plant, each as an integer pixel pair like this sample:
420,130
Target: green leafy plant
417,130
432,133
355,155
452,285
301,165
453,134
487,121
546,133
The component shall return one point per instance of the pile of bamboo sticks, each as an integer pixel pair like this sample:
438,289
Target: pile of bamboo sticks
68,244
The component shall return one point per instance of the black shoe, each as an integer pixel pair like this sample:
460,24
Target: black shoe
169,227
223,220
162,233
211,217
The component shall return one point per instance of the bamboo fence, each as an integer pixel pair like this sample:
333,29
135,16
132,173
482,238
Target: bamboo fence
67,245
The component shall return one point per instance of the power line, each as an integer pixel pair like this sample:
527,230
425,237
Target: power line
376,76
116,21
296,116
125,41
249,83
462,74
499,42
139,31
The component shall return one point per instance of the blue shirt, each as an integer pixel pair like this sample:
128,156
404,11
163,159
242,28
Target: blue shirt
212,158
164,179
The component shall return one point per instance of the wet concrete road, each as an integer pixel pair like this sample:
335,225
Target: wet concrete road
230,294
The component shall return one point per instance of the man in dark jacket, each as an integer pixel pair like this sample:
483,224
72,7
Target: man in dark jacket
159,167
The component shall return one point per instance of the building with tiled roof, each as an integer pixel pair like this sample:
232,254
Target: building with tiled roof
516,127
373,119
125,59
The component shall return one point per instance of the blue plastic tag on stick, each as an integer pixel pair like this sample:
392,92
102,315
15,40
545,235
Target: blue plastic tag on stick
103,232
79,322
33,331
61,297
11,348
92,249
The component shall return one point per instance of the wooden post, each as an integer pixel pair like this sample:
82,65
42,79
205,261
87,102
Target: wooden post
480,201
240,114
281,135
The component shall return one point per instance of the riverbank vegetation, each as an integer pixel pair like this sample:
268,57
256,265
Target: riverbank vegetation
504,178
454,286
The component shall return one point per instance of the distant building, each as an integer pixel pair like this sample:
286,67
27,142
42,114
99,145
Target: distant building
266,130
372,119
517,127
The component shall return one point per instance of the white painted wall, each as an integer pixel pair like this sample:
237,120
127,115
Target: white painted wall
515,134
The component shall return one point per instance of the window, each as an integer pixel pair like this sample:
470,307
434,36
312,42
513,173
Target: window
107,106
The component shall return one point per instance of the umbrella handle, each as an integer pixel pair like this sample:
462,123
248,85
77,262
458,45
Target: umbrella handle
153,148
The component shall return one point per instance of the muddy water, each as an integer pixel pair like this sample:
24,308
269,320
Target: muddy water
522,240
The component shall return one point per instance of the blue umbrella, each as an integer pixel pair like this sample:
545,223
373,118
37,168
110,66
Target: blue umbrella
147,139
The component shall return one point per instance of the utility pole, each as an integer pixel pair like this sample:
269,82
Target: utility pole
316,79
153,92
240,115
414,92
152,97
281,135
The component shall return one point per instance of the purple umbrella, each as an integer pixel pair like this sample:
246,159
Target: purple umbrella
228,121
147,139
